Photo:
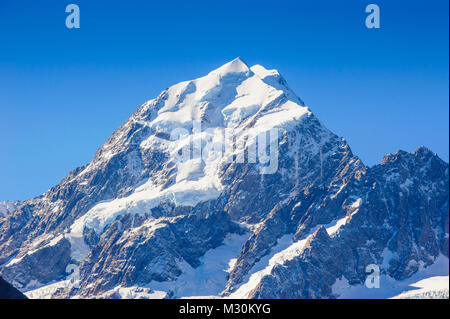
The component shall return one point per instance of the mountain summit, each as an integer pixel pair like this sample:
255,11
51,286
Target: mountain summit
229,186
235,66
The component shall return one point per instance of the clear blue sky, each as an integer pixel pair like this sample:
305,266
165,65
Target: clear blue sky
63,92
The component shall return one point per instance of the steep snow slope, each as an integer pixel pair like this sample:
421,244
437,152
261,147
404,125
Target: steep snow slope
429,288
430,281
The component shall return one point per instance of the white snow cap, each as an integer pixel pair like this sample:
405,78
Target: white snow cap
236,66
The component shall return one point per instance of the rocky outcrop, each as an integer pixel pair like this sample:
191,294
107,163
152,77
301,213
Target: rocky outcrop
396,225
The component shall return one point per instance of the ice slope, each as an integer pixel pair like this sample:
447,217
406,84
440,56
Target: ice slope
428,288
431,281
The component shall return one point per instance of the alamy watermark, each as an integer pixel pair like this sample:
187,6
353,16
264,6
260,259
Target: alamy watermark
373,19
373,276
229,145
73,19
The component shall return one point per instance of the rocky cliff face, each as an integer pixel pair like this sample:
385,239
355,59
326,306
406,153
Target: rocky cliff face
170,201
392,222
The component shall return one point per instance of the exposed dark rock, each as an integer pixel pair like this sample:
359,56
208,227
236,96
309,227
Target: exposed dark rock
7,291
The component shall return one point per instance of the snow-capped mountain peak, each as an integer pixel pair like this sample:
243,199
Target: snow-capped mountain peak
236,66
221,186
